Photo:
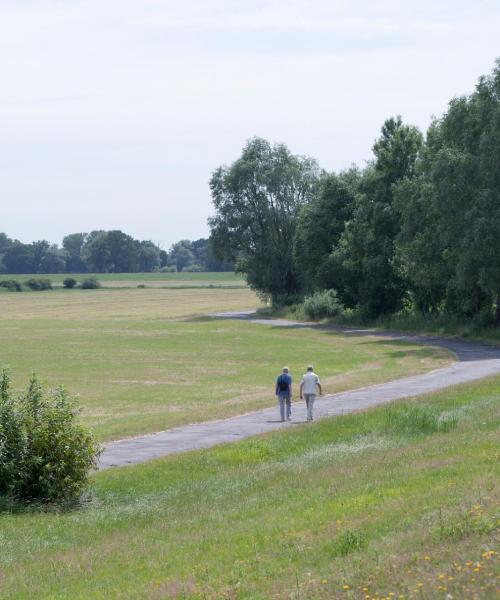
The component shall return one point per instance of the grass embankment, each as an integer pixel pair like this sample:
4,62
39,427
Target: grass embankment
396,502
143,360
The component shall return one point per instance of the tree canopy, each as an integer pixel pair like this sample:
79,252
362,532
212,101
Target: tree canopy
257,201
103,252
418,227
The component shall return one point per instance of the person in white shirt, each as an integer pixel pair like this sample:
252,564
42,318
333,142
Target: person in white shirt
310,381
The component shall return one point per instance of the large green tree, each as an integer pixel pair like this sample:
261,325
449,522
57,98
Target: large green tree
320,226
73,244
257,201
363,260
449,244
181,255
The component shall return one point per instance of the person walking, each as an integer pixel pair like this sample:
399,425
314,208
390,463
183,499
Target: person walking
284,393
310,381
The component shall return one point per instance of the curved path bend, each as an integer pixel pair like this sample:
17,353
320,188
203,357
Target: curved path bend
474,361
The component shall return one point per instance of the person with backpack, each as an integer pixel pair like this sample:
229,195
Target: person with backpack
284,393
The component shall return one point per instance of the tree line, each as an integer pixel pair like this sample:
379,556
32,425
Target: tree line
418,228
106,252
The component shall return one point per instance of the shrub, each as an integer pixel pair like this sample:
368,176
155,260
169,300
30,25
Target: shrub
38,284
90,283
45,455
11,284
322,305
70,283
193,268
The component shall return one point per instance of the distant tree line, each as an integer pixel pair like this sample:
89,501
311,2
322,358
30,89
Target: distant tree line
418,228
106,252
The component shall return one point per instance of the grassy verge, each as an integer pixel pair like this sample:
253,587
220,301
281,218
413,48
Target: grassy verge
389,503
144,360
411,323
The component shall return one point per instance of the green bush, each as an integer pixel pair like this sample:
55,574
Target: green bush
90,283
45,455
193,268
11,285
322,305
38,284
70,283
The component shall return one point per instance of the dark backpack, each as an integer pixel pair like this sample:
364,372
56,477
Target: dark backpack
282,384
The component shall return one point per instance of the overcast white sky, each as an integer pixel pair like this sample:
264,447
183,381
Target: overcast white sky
114,113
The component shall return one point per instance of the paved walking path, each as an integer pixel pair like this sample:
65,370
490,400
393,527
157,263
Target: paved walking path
474,361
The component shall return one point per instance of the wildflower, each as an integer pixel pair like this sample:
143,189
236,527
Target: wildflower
324,581
346,587
427,557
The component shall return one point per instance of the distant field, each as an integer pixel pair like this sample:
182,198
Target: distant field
149,279
144,360
368,506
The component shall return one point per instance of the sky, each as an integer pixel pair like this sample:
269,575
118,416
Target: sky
114,113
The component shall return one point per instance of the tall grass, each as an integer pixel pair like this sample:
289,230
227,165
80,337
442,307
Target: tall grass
418,420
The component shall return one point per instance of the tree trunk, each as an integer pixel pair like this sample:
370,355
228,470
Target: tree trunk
497,313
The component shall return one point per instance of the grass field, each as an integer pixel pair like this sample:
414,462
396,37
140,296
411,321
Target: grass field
381,504
148,279
144,360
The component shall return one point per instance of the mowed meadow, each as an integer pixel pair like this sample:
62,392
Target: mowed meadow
143,359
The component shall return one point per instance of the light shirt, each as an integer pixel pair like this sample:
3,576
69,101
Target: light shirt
309,381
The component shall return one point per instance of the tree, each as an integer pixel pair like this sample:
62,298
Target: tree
20,258
95,252
163,258
149,257
53,260
123,251
449,245
319,227
5,243
257,200
73,244
40,248
364,257
181,254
